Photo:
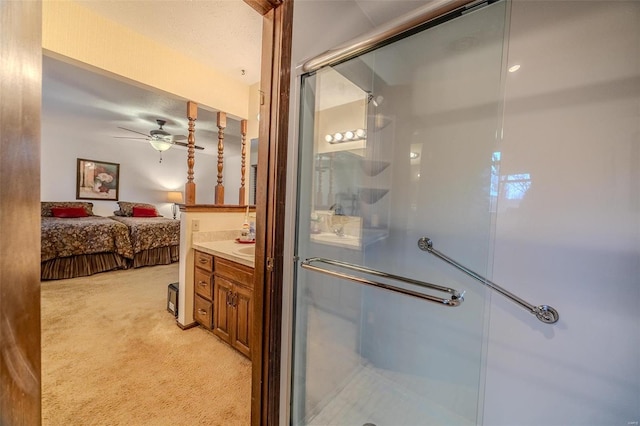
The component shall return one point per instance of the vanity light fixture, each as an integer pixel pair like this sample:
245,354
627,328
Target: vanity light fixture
348,136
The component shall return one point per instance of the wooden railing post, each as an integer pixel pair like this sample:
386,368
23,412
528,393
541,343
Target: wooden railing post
243,166
222,123
190,186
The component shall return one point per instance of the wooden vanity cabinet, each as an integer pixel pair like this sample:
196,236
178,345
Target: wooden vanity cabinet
203,289
233,304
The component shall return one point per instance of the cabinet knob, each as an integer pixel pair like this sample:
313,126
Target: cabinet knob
202,311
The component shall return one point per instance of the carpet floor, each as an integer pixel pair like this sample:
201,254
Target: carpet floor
113,355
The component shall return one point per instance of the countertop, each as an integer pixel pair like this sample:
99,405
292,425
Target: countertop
365,237
230,250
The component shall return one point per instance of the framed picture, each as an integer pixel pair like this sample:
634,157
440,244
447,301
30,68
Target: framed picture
97,180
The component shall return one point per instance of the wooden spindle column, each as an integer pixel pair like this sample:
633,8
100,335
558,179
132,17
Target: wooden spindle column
190,186
243,166
222,124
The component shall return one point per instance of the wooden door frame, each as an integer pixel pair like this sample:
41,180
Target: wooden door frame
270,207
20,85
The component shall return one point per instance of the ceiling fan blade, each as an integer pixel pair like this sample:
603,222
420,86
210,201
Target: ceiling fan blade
185,144
129,130
129,137
179,137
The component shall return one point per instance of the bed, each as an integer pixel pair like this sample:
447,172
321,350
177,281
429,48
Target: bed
155,239
75,243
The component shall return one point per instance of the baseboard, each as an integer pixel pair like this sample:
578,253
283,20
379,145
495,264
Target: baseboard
188,326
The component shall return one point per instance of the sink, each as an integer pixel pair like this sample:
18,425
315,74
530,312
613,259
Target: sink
249,251
331,238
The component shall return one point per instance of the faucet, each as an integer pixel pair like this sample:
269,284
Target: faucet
337,209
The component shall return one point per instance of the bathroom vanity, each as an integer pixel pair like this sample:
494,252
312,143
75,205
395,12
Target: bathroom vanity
223,291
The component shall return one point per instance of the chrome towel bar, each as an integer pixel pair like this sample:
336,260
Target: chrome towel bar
455,300
544,313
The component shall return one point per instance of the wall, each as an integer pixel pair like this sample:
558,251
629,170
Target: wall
572,121
254,111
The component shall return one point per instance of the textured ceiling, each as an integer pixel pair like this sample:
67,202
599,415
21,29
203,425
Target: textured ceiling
223,34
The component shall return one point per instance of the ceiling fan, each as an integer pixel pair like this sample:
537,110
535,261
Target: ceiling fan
159,139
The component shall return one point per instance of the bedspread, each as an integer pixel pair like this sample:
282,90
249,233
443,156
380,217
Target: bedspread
148,233
63,237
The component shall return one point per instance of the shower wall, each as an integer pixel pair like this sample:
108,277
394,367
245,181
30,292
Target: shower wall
567,220
565,210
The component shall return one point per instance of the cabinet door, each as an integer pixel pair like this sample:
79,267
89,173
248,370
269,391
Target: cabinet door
222,309
243,315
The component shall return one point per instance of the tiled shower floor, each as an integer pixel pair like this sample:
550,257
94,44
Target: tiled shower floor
371,398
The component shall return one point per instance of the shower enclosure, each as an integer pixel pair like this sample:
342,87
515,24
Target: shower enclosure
397,144
498,143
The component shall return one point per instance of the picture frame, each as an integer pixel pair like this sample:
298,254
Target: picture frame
97,180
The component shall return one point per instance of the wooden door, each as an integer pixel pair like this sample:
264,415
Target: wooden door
243,318
222,310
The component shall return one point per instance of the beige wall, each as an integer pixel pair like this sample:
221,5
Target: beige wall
254,110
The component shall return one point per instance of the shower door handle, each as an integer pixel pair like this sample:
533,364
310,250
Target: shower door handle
544,313
456,298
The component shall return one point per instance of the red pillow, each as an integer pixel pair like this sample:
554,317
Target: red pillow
144,212
68,212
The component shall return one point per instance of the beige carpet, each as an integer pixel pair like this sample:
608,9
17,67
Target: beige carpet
113,355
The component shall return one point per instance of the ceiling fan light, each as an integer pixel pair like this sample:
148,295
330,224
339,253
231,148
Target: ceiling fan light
160,145
158,133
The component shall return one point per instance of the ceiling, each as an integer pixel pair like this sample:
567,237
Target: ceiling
222,34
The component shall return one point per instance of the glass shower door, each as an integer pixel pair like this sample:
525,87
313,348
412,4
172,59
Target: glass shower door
397,144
